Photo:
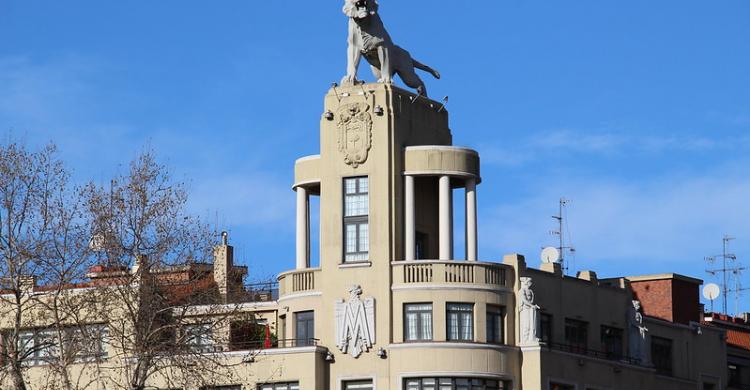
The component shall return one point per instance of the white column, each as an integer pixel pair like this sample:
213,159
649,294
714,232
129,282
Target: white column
302,228
471,219
410,246
445,218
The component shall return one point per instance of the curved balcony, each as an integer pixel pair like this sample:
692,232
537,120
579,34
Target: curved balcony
432,160
298,281
307,172
450,273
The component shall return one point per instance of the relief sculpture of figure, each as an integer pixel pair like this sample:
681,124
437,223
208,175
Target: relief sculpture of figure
369,38
637,333
528,311
355,323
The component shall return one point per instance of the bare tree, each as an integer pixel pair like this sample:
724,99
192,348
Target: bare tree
162,302
33,206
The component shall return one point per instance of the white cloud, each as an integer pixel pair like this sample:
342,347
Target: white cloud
559,142
668,223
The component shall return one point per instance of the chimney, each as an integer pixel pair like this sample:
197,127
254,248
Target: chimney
223,264
27,283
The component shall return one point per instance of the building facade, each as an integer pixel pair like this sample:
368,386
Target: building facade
391,306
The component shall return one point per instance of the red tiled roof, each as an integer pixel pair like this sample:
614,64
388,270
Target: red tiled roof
739,339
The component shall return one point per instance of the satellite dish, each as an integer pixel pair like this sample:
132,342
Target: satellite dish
550,255
711,291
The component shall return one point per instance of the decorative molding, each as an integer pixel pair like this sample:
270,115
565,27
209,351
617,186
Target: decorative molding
355,132
355,323
452,286
300,295
450,345
446,148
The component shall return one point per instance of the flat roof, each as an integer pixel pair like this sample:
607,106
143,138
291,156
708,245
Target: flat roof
644,278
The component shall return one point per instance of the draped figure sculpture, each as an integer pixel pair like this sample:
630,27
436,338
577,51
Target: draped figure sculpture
528,313
637,336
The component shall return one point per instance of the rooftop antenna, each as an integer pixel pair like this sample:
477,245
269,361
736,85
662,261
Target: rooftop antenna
727,269
560,232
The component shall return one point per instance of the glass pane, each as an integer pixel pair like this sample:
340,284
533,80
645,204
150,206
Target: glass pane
364,237
351,238
363,185
426,319
411,327
350,185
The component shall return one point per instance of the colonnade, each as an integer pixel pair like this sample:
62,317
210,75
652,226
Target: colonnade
303,228
445,219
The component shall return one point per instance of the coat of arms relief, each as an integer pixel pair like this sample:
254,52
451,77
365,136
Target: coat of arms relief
355,323
355,132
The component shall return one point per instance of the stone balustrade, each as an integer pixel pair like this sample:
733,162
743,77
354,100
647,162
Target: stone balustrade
298,281
450,272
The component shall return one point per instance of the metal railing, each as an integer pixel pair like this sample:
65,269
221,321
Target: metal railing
582,350
259,292
272,344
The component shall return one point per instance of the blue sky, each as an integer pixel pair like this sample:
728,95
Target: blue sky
637,111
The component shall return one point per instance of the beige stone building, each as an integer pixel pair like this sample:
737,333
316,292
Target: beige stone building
391,306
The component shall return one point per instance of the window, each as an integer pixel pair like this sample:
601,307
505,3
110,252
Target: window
576,335
661,355
460,318
455,384
358,385
560,386
417,321
356,220
612,342
199,338
305,327
41,345
545,328
735,375
280,386
496,324
224,387
421,245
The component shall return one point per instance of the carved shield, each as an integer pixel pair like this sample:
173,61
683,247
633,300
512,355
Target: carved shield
355,132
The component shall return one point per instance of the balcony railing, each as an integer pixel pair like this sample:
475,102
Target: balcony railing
449,272
260,292
581,350
298,281
252,345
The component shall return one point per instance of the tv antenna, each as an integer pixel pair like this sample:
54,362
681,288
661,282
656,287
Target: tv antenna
560,232
729,268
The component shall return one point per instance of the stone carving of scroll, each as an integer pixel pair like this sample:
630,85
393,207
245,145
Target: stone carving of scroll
638,334
528,313
355,323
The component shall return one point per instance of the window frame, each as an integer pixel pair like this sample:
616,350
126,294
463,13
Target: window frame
445,382
574,345
546,327
500,312
420,336
605,339
304,341
358,221
461,326
657,342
